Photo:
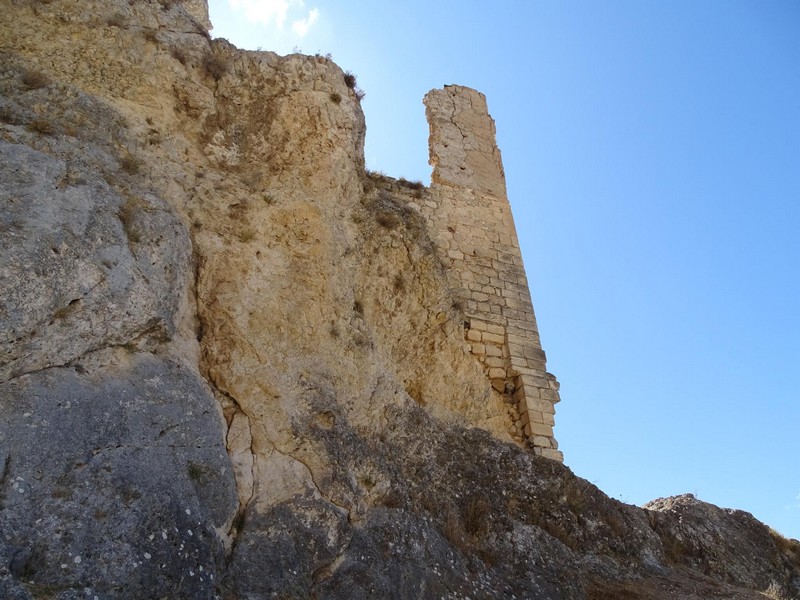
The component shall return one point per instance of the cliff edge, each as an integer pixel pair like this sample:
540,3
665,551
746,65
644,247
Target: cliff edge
234,364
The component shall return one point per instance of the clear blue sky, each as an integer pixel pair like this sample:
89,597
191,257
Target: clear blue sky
652,152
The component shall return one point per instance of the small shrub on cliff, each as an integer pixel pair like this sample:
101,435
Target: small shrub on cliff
475,515
248,234
336,98
151,36
389,220
414,185
34,80
130,164
116,20
791,548
42,126
215,66
8,116
350,81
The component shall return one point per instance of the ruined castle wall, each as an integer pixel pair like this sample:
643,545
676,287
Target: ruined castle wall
471,222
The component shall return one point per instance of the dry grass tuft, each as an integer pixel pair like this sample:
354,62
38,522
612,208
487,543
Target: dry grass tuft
414,185
42,126
350,81
789,547
8,116
116,20
33,80
215,66
388,220
130,164
248,234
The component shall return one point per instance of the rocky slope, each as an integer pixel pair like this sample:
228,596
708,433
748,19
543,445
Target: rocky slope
231,366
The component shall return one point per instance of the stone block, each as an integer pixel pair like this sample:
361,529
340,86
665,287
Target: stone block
552,454
477,324
541,441
478,349
540,429
535,353
494,351
550,395
519,394
536,364
455,255
494,361
473,335
497,373
497,329
499,385
536,405
493,338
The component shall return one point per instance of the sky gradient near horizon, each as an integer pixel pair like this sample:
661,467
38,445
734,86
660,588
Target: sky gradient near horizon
652,155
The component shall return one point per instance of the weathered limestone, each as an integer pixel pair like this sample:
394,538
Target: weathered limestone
474,231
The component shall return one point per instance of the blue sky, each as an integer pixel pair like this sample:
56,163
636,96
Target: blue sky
652,154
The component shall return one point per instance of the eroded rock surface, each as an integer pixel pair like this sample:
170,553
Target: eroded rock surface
232,364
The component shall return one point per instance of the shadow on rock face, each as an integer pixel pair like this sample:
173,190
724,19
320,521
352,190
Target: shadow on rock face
114,481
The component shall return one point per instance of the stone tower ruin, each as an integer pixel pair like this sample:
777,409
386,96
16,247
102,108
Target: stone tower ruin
473,228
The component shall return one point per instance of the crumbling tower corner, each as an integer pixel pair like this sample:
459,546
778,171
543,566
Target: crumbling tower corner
477,241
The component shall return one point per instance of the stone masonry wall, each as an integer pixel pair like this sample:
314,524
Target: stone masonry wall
470,216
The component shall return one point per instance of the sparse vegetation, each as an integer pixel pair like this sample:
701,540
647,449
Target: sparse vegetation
391,499
389,220
336,98
248,234
414,185
399,284
358,307
8,116
215,66
790,548
151,36
178,54
130,164
350,81
475,516
42,126
34,80
116,20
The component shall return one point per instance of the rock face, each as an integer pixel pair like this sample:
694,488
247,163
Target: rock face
233,364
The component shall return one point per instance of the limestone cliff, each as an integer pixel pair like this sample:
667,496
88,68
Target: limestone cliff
233,364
